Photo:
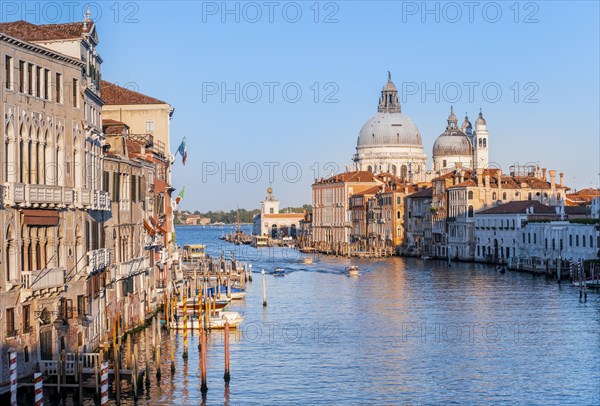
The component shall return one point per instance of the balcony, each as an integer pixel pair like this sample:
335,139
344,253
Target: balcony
31,195
85,197
102,200
98,260
125,269
42,281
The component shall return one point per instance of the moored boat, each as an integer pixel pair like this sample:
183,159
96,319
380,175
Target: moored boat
279,272
306,260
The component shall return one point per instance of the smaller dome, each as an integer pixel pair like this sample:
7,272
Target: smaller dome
452,142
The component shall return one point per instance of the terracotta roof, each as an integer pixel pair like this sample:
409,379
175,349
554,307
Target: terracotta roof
31,32
422,193
520,207
115,95
133,147
356,176
114,127
370,191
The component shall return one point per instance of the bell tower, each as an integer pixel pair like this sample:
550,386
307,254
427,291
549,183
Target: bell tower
481,145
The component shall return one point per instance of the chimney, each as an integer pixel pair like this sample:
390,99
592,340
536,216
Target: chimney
479,177
552,173
562,179
544,173
499,179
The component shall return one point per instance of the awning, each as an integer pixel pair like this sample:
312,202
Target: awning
33,217
149,229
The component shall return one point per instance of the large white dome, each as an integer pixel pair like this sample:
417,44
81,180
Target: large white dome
384,129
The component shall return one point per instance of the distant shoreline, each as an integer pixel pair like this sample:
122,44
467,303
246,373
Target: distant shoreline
211,225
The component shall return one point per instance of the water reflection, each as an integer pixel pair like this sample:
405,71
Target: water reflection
405,331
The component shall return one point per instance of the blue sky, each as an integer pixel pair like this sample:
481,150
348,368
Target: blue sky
194,54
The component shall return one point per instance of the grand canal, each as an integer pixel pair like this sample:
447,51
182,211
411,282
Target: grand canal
405,332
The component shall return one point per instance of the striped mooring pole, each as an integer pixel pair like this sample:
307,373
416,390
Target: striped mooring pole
104,384
185,339
38,388
13,378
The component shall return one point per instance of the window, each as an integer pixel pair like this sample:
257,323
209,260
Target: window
10,322
116,187
9,72
133,188
58,86
494,196
444,163
577,240
504,196
470,211
30,78
484,143
75,93
149,126
46,94
591,241
570,240
105,181
583,240
81,305
38,81
535,239
22,76
470,194
26,319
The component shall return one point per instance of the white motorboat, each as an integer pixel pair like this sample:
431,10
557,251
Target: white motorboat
352,270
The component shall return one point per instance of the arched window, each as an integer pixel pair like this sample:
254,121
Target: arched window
398,214
370,168
403,173
480,143
504,196
470,214
470,194
394,169
484,143
494,196
529,196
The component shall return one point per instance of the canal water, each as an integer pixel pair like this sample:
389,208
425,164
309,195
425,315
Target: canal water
406,331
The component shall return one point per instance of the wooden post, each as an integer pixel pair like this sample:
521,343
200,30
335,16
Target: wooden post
158,360
104,384
264,289
80,373
203,387
128,352
96,361
172,344
58,372
38,389
185,353
76,367
117,367
64,367
147,352
134,373
214,303
153,332
226,377
13,377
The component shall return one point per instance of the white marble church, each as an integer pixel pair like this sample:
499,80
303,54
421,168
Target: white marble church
389,142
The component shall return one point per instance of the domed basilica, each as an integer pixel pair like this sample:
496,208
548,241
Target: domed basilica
390,142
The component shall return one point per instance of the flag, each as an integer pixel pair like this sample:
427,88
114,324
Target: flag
180,196
182,150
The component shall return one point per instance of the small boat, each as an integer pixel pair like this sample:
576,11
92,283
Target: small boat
352,270
216,322
424,257
589,282
279,272
306,260
235,293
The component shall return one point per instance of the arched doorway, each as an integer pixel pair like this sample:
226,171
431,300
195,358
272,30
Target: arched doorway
293,231
274,231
